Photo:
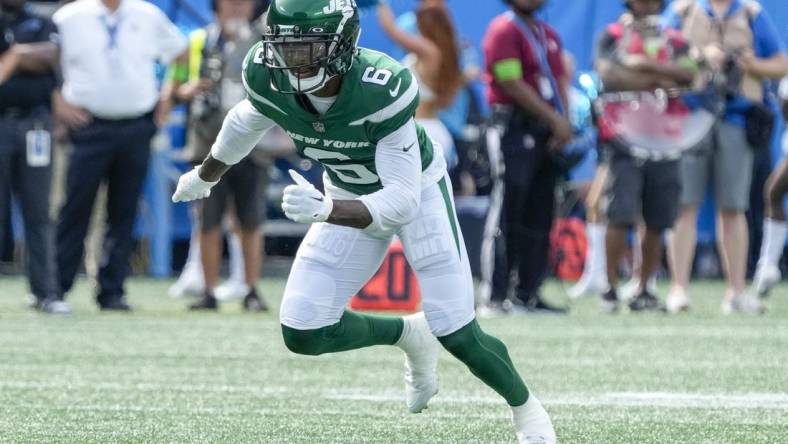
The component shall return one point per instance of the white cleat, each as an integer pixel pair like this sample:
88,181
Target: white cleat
421,349
532,423
677,301
588,286
767,275
231,290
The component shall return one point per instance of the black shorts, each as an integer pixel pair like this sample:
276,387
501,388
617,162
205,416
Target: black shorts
246,183
645,191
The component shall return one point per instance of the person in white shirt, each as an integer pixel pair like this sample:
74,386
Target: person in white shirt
111,103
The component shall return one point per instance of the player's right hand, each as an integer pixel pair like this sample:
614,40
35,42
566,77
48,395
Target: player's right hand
192,187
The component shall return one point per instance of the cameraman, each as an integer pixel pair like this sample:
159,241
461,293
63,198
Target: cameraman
739,42
634,54
27,80
209,79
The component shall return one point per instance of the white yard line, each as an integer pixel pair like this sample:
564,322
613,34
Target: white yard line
764,400
769,401
256,390
279,412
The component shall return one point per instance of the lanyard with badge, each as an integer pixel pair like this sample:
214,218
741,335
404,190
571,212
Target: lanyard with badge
548,86
112,25
39,146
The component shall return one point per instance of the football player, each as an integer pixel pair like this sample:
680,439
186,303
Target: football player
351,109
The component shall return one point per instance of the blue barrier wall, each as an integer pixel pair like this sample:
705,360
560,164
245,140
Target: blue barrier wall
578,21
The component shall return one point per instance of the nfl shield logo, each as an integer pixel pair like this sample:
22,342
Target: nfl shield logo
319,127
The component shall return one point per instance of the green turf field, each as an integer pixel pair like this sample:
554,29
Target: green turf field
165,375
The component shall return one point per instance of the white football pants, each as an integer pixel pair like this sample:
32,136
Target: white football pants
334,262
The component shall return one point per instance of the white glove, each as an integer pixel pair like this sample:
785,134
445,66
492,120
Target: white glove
191,187
303,203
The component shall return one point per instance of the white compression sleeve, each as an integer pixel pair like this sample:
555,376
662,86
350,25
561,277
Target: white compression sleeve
242,129
398,163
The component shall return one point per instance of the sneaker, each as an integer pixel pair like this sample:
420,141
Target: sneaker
254,302
207,302
116,305
231,290
745,302
188,284
645,301
608,304
53,306
677,300
767,275
421,349
532,423
587,286
537,306
632,288
491,310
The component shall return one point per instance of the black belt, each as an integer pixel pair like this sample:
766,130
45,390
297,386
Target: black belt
511,117
148,115
15,112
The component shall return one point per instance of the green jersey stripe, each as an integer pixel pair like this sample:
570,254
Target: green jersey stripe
450,211
411,94
258,97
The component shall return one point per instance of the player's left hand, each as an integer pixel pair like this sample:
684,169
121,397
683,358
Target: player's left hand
303,203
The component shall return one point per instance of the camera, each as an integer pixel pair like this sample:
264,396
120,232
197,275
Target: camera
209,103
732,76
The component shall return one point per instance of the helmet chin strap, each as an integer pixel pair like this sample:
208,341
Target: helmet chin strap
311,84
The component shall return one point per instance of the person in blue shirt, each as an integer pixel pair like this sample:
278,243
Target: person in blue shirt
738,40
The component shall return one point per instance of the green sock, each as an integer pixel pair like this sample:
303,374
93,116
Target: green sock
353,331
487,358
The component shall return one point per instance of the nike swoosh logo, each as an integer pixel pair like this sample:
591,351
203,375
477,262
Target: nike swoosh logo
320,199
394,92
408,148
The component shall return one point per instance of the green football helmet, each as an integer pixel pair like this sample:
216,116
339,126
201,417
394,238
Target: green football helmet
308,42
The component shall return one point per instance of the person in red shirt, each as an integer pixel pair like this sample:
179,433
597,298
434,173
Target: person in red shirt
527,89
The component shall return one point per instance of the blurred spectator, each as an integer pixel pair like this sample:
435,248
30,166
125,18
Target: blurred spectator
739,42
26,143
774,227
109,101
209,78
434,58
527,87
594,277
456,115
633,54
